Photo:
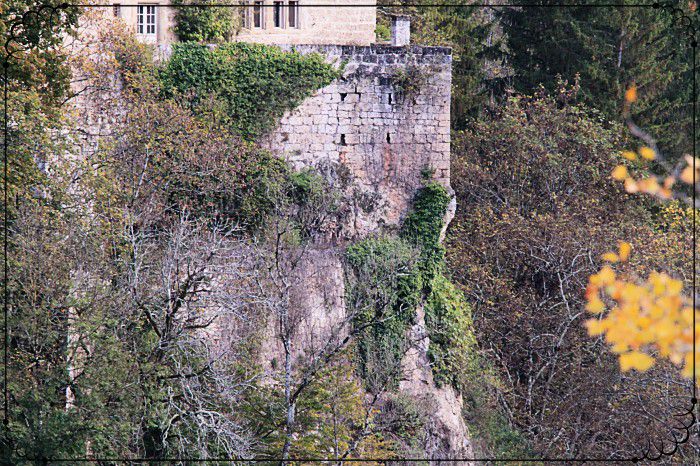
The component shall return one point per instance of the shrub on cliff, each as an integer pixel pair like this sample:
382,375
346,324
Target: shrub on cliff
256,83
416,262
383,286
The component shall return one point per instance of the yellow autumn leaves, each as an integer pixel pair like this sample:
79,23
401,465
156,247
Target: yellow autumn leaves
643,320
621,256
691,172
660,187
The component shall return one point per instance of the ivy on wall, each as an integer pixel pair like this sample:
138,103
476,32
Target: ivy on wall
423,225
254,83
416,261
384,291
202,21
447,314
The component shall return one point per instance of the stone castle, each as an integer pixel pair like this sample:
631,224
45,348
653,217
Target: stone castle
385,122
384,127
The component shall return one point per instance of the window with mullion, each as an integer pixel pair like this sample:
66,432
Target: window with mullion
258,15
146,20
277,9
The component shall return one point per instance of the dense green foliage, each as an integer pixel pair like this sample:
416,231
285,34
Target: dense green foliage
447,314
255,83
452,344
423,225
38,83
608,49
386,288
391,276
42,62
205,23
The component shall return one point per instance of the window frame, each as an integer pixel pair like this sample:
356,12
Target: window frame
278,16
260,7
143,14
293,6
245,13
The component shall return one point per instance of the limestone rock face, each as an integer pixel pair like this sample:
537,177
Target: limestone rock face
318,302
447,436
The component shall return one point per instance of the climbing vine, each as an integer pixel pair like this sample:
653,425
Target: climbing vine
447,314
416,261
201,22
253,83
383,290
423,226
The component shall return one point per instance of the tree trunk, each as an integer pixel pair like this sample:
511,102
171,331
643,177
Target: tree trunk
291,406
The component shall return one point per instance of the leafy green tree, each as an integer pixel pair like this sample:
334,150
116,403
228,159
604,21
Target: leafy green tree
37,83
605,50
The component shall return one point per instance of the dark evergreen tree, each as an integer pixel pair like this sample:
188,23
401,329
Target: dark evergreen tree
607,49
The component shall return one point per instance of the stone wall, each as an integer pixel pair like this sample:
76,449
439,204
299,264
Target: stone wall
380,128
347,22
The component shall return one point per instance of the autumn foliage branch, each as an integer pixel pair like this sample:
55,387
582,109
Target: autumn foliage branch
654,318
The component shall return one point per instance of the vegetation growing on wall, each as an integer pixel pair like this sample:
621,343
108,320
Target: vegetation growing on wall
202,21
447,314
407,82
423,225
385,285
452,343
255,83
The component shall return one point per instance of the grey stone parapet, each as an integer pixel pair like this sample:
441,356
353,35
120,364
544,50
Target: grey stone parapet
385,54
